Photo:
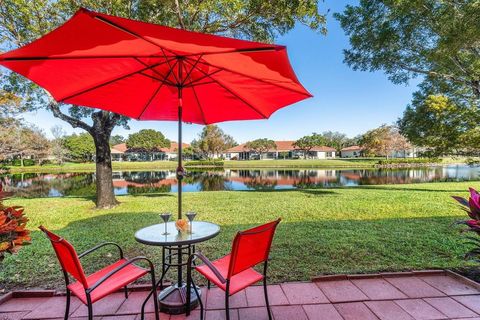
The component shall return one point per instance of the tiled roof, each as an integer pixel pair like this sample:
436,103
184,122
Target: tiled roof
352,148
122,148
119,148
281,147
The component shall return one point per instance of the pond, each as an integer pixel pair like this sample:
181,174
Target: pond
83,184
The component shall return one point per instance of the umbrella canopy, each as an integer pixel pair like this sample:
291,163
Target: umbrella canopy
137,69
151,72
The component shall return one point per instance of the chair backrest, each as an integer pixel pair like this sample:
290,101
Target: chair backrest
67,256
251,247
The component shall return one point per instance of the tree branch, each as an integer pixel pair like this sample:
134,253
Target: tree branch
179,14
76,123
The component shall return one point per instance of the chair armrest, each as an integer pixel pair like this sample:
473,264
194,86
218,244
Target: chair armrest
209,264
120,267
83,254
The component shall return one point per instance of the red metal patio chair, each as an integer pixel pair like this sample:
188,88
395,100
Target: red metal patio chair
234,272
98,285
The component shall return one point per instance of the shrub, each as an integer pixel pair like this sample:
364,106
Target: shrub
13,231
472,207
206,163
409,161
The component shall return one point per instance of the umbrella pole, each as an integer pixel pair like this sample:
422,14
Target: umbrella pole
180,171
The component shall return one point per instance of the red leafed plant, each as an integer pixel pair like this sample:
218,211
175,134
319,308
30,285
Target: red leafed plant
13,231
472,207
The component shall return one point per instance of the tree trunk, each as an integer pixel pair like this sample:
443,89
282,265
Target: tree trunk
103,159
101,130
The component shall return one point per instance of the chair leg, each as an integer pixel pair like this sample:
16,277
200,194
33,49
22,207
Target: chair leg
90,311
89,305
208,284
266,298
199,298
154,295
227,310
125,289
67,307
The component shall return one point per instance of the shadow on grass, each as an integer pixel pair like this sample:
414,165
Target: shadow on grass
301,249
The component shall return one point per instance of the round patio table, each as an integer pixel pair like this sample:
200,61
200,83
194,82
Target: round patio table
175,246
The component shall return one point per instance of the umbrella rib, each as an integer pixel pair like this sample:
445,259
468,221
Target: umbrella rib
150,100
246,50
136,35
254,78
156,92
195,82
78,57
158,79
191,70
110,81
234,94
155,71
199,105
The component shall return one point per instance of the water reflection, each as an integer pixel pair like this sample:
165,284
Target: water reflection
83,184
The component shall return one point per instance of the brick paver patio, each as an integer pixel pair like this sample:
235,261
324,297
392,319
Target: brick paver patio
409,296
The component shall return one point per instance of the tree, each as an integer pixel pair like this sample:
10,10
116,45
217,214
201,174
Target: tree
21,141
117,139
307,143
147,140
441,125
260,146
437,40
81,147
384,141
58,149
22,21
407,39
336,140
212,141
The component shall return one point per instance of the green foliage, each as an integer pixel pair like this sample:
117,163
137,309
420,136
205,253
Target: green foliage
147,140
307,143
336,140
435,39
212,141
260,146
80,147
409,161
117,139
204,163
442,125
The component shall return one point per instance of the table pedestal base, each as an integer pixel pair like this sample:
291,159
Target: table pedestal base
173,299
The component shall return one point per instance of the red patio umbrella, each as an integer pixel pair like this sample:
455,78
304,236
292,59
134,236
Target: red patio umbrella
152,72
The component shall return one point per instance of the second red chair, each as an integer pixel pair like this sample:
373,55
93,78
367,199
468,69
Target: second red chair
234,272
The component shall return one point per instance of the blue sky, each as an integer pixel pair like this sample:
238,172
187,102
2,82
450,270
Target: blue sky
344,100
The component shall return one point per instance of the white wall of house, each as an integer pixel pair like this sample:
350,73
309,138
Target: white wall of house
322,154
410,153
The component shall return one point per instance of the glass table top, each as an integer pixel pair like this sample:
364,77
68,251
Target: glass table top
153,235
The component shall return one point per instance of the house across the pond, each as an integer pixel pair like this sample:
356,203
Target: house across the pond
283,150
120,152
358,151
351,152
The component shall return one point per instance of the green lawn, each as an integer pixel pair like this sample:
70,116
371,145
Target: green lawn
161,165
301,163
324,231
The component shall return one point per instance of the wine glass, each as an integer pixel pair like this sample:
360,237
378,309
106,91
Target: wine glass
190,217
165,217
